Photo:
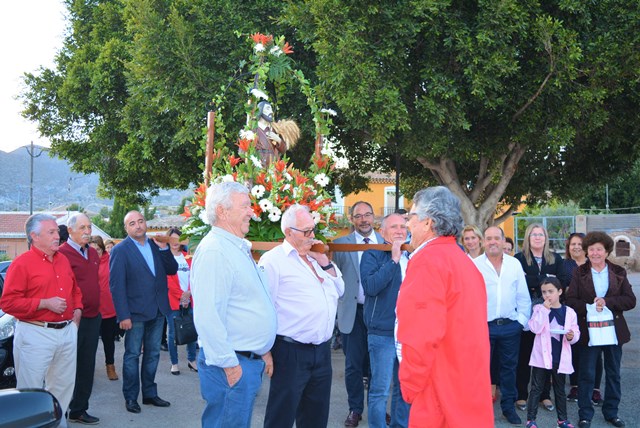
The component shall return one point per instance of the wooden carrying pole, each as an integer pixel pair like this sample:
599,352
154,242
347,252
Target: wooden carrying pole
208,159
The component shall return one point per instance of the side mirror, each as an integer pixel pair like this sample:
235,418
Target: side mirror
29,408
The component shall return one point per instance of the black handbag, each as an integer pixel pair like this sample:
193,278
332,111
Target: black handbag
185,329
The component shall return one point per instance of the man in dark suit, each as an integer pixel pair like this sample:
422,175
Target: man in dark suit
350,309
138,281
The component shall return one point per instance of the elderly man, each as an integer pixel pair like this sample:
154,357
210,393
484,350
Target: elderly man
233,313
442,313
305,287
508,310
351,307
85,263
382,273
138,271
41,292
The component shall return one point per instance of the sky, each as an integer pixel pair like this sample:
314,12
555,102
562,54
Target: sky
32,33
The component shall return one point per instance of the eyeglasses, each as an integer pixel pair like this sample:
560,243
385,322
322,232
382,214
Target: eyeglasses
307,233
361,216
537,235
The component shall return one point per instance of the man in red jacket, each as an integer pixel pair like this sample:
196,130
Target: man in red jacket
85,263
442,321
42,293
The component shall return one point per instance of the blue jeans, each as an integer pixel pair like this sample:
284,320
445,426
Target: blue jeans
229,406
171,341
148,333
505,344
382,354
586,377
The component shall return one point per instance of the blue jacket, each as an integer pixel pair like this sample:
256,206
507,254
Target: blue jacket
381,278
137,294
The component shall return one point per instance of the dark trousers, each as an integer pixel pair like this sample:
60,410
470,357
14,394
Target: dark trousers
575,361
505,340
300,388
108,330
523,375
88,333
356,363
539,377
588,357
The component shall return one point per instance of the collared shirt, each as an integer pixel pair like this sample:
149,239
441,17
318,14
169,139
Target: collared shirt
147,254
232,306
82,250
601,281
306,307
507,292
360,240
32,277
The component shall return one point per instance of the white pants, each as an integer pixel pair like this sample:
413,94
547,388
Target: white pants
46,358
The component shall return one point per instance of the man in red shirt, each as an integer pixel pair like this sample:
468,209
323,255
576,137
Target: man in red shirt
442,321
85,264
42,293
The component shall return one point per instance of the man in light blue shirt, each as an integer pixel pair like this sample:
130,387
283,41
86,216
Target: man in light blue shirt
508,311
233,313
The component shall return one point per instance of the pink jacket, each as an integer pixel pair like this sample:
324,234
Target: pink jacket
541,353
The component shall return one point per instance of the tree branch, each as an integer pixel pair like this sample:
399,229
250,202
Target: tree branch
552,67
504,216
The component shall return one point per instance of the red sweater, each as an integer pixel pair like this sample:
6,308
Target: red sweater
107,310
32,277
86,272
442,325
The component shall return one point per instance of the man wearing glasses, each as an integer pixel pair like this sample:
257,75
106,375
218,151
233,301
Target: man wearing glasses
350,309
305,287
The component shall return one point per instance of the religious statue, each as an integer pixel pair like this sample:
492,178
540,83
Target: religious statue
274,138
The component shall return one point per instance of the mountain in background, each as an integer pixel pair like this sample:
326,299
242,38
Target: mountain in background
55,185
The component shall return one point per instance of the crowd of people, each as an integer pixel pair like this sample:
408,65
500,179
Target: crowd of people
445,314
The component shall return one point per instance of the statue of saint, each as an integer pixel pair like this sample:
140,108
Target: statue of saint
274,138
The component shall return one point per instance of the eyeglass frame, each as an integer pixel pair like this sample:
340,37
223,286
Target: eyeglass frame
306,233
361,216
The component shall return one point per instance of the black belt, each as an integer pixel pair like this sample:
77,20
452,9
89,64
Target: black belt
501,321
46,324
295,342
250,355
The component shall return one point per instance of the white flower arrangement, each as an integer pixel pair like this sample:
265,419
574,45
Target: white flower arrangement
265,204
258,47
316,217
247,134
275,51
256,162
258,190
321,179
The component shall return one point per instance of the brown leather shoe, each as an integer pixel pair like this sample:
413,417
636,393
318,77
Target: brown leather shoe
111,372
353,419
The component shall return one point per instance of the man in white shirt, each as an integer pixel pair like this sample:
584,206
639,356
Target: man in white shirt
305,287
508,311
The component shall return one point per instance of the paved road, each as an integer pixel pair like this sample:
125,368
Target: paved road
183,392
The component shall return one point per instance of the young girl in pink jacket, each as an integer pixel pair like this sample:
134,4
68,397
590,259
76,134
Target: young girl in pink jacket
556,328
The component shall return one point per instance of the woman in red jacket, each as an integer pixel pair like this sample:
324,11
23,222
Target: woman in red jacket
179,297
109,326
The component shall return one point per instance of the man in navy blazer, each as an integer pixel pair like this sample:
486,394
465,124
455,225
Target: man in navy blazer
138,271
350,309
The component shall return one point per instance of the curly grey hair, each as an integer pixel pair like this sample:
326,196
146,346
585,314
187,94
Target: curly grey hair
441,206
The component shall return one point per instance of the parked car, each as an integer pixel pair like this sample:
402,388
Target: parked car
7,328
4,265
33,408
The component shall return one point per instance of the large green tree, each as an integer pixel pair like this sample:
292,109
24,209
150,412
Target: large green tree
129,93
493,99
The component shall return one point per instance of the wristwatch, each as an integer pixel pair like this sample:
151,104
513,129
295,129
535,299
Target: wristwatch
327,267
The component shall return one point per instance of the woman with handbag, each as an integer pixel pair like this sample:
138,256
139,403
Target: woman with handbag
603,284
180,301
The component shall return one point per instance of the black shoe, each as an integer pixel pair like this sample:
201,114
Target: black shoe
164,347
584,424
132,406
156,401
193,367
512,417
84,418
616,422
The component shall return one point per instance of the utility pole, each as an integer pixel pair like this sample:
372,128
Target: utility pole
32,155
